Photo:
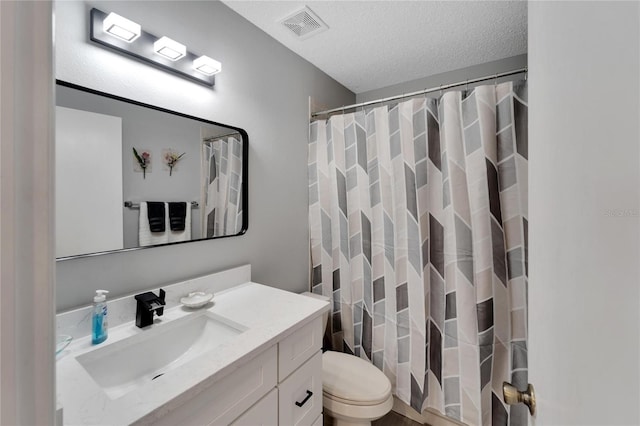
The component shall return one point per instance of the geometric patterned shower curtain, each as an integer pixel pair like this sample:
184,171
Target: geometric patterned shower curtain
418,227
222,186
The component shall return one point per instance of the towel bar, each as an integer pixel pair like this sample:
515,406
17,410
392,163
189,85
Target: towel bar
132,205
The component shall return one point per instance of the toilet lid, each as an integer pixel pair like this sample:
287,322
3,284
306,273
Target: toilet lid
349,378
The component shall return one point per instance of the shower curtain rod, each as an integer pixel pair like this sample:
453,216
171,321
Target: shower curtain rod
215,138
422,92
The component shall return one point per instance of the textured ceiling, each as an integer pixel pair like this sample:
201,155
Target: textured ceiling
373,44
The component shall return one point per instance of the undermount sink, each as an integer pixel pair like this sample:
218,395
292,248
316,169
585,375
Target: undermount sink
125,365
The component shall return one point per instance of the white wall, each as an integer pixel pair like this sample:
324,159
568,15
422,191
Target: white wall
263,88
450,77
584,212
88,182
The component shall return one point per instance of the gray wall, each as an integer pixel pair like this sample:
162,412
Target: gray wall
463,74
264,88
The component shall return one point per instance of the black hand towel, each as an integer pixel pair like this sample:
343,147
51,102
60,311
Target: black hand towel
177,216
155,213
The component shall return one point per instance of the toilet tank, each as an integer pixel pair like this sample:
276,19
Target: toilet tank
325,316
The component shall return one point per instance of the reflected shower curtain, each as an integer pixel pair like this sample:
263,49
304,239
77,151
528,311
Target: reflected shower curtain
418,221
222,186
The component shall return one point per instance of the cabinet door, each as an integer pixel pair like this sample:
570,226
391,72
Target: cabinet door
300,395
263,413
299,347
229,397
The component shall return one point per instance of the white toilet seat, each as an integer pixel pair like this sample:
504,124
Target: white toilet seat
352,402
353,380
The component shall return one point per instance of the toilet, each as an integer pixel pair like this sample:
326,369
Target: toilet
354,392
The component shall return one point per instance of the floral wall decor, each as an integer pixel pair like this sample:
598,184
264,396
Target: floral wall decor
171,158
142,161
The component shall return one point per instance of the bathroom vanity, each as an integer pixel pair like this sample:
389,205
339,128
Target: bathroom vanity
252,356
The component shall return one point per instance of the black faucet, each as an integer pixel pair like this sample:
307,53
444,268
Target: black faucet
148,303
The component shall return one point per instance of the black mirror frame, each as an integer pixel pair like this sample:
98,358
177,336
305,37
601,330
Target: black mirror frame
245,169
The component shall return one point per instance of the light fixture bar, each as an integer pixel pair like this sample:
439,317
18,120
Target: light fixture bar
143,49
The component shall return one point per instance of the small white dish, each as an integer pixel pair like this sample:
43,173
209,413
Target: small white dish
196,299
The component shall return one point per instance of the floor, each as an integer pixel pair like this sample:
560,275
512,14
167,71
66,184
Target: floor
395,419
391,419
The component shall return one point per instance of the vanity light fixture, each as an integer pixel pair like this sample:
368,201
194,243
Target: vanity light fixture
121,27
127,37
169,48
207,65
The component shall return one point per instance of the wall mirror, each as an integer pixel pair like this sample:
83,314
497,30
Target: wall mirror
132,176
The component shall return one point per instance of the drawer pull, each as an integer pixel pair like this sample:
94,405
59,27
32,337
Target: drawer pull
304,401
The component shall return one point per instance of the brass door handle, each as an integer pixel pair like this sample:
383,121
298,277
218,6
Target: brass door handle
512,395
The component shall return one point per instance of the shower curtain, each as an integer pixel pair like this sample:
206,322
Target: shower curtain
418,229
222,186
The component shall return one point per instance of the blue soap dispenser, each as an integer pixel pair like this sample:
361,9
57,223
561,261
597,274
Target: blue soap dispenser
99,317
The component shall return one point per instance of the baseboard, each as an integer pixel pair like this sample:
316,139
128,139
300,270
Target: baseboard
433,418
428,417
405,410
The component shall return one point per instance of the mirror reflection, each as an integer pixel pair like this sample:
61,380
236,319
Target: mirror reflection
130,175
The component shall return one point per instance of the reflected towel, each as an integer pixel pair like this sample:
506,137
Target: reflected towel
145,236
177,215
156,211
185,234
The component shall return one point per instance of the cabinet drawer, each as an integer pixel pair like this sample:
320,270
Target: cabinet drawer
228,397
264,413
319,421
300,395
299,347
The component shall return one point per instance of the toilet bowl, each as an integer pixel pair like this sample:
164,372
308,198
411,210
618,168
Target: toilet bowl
354,392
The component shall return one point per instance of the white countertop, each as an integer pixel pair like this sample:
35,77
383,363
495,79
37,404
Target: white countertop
268,313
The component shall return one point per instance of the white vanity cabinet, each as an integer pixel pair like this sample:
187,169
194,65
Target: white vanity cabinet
280,386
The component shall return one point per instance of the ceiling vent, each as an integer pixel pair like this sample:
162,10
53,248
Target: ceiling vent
304,23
